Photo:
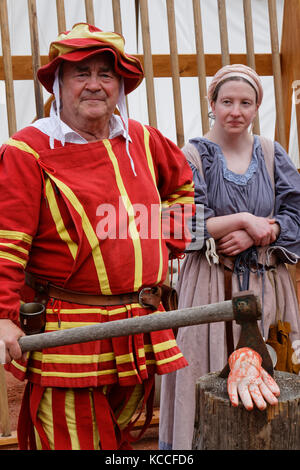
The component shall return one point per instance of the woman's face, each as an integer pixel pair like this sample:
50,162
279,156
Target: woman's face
235,107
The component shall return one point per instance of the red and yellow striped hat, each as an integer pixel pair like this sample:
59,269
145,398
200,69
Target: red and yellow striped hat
84,41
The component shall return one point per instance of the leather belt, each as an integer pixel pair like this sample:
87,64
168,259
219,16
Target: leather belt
147,297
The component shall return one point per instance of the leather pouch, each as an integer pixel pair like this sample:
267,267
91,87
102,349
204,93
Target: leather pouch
169,298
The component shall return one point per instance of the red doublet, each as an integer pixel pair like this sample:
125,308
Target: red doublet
65,216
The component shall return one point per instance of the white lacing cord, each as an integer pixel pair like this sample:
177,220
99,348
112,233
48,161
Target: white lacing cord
124,116
55,112
211,251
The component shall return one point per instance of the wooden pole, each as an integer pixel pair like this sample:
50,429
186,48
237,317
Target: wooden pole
61,16
290,67
201,67
22,65
89,9
137,20
222,311
118,29
290,64
148,66
280,125
249,33
8,74
117,16
36,61
250,49
175,73
223,32
4,412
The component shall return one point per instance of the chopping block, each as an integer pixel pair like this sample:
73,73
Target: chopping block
220,426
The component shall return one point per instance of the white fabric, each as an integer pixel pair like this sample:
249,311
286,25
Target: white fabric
49,127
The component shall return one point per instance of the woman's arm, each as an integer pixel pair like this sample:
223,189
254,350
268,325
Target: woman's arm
262,230
239,240
221,226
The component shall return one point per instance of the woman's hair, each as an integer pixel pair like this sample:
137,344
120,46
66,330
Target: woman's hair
228,79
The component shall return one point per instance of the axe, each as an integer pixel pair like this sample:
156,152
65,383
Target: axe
244,308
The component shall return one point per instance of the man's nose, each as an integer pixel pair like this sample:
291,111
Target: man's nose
93,83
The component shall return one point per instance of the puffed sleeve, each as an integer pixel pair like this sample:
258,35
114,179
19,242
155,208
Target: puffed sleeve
287,202
203,211
20,197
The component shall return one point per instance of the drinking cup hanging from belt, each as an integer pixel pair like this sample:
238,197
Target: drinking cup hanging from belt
32,318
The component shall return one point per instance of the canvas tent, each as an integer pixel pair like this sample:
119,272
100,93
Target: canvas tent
31,25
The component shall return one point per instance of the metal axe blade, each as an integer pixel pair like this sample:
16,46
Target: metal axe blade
247,311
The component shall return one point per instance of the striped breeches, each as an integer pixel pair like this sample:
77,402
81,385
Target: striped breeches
81,418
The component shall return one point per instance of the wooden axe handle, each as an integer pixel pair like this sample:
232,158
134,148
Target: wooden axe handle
221,311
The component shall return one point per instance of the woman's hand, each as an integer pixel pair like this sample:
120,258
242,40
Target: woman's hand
234,243
262,230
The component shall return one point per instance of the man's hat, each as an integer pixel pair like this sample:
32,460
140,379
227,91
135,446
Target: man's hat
84,41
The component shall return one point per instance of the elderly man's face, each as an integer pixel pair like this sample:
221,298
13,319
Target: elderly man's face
89,91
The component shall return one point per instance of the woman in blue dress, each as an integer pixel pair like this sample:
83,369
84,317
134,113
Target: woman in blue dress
248,191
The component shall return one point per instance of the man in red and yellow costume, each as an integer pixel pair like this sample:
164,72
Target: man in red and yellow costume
86,206
92,206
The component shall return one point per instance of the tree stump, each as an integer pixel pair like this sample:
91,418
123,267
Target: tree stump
220,426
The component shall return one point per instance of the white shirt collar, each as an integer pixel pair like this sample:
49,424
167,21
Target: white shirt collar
49,127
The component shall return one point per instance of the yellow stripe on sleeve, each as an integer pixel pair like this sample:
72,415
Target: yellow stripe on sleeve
22,146
13,258
178,200
15,247
13,235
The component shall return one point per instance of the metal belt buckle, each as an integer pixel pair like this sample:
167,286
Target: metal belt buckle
141,293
